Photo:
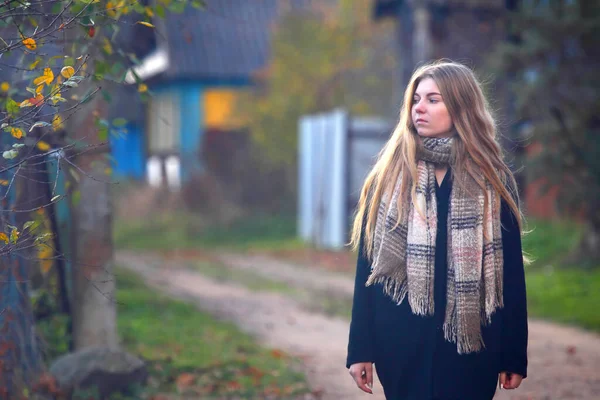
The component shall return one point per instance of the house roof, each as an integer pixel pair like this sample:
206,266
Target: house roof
389,8
386,8
227,39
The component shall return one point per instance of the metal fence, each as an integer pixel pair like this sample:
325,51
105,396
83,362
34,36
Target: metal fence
335,153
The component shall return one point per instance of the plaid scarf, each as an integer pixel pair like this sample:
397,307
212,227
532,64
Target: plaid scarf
404,255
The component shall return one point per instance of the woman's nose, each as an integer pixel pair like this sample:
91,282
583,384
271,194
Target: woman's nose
420,107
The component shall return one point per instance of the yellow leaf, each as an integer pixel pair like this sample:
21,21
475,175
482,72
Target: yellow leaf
46,78
46,265
110,9
30,43
39,89
57,123
37,100
148,24
16,132
56,98
34,64
3,182
25,103
142,88
3,237
121,6
67,72
107,46
5,86
43,146
14,235
149,12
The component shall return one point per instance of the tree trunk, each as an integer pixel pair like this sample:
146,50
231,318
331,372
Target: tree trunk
94,311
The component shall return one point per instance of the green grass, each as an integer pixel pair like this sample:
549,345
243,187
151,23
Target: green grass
555,291
185,231
549,243
570,296
178,340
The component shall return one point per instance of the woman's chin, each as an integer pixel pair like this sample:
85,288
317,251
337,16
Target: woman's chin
430,134
426,133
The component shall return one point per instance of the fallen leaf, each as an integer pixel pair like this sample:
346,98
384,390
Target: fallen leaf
185,380
277,353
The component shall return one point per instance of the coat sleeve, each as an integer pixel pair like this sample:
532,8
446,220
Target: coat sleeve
360,344
515,328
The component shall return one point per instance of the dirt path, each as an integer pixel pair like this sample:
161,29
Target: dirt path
274,319
290,273
564,363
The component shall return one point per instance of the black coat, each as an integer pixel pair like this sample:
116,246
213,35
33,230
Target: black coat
412,359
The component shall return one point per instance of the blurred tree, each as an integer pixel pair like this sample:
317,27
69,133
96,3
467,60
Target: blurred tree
331,56
554,59
55,57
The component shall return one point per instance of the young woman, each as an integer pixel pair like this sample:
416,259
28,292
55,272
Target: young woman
439,304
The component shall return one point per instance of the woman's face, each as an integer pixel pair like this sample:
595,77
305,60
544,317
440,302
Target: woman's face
429,113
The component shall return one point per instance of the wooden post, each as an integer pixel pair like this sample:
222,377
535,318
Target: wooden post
404,35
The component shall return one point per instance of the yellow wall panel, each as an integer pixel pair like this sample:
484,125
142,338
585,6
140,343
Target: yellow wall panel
219,108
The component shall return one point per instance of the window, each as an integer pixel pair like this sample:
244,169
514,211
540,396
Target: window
164,123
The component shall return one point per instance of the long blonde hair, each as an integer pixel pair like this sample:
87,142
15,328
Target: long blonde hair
477,152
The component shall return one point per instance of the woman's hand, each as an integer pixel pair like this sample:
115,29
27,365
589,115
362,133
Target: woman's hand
363,376
510,380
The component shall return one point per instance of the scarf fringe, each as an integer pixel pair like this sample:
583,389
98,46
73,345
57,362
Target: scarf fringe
420,305
465,343
391,287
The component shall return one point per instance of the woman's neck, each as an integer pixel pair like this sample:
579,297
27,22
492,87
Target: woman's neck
440,172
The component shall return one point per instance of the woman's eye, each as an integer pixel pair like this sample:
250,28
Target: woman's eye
433,101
